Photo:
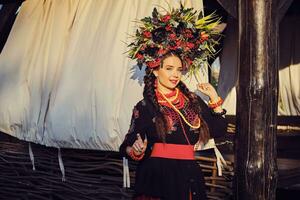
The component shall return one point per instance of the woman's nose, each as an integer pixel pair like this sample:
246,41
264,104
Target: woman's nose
176,73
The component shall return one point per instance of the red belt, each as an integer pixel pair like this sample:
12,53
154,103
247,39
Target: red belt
173,151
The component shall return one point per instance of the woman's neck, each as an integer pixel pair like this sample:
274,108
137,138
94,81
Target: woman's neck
165,90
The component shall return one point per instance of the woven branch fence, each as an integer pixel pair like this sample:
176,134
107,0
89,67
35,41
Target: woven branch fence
81,174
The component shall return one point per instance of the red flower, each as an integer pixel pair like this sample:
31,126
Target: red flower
176,46
173,47
178,43
168,27
188,33
190,45
199,42
172,36
204,36
166,18
161,52
147,34
139,56
154,63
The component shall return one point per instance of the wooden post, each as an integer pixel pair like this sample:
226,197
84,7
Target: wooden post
255,156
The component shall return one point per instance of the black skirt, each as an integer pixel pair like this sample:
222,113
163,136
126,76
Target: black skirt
170,179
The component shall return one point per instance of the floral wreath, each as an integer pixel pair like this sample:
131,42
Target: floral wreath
183,31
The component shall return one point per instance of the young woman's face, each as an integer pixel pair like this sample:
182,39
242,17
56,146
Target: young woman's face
169,74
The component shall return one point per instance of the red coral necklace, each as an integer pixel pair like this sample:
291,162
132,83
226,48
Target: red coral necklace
175,104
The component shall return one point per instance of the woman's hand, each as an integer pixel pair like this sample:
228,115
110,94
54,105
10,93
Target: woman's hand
209,90
139,146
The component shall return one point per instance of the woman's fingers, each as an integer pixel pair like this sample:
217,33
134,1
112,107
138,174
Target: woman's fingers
145,142
139,138
140,142
208,89
139,145
204,86
136,148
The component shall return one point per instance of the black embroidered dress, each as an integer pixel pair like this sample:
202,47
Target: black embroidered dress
170,179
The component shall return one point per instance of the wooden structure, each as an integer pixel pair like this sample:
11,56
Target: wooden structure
256,165
288,151
255,143
91,174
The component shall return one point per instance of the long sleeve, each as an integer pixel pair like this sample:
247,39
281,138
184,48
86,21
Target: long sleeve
138,124
217,124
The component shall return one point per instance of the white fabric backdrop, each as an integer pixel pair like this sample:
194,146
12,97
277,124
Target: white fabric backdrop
289,69
64,80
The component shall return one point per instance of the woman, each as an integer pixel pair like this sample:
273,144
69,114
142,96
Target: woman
165,125
170,119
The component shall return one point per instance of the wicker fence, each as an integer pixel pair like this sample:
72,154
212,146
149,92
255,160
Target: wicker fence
79,174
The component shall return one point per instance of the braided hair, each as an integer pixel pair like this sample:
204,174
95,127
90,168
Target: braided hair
204,131
150,97
160,120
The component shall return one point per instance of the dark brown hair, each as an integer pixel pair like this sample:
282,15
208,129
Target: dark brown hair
160,121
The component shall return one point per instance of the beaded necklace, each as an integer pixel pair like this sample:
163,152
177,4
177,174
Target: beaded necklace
170,95
178,111
178,100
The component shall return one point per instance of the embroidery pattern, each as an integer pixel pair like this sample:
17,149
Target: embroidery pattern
173,118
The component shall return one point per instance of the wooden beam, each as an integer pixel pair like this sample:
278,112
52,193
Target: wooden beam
255,150
231,6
